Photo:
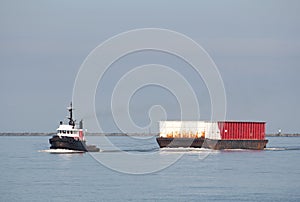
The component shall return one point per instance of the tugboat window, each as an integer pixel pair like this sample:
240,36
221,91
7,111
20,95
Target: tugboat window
64,132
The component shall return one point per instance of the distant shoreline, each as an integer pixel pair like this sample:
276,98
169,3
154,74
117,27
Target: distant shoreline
87,134
127,134
284,135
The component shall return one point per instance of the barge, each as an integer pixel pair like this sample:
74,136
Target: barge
216,135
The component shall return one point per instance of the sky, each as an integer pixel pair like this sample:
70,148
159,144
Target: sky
254,44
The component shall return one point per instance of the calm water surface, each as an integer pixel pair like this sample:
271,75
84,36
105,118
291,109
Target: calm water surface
29,175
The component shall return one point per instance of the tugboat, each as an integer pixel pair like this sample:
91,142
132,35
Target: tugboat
71,137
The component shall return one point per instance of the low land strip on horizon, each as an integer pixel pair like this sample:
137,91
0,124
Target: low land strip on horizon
123,134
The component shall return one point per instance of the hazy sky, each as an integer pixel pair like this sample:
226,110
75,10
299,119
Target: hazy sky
255,44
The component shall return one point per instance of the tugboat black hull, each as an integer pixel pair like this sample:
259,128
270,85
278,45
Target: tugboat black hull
67,143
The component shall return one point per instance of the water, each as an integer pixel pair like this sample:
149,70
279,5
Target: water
29,175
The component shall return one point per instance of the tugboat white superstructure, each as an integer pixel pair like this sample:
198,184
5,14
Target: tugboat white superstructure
71,137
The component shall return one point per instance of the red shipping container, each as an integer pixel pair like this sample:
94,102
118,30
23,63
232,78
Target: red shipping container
237,130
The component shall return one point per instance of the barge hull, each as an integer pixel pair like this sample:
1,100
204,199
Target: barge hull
235,144
179,142
211,144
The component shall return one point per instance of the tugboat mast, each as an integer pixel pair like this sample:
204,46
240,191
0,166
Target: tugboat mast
71,121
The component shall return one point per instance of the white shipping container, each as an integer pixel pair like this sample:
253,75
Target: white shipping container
189,129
